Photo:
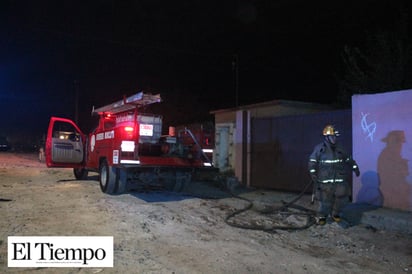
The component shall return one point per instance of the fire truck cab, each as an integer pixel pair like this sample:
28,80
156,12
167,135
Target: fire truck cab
127,149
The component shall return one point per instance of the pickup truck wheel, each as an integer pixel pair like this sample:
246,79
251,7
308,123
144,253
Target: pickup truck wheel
80,173
107,178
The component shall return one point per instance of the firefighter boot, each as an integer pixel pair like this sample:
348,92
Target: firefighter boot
336,218
321,221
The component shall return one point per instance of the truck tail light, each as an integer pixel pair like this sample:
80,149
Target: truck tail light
128,132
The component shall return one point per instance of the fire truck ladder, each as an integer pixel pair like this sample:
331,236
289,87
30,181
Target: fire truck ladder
140,99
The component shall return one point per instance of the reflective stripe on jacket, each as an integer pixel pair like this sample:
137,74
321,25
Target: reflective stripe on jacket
330,164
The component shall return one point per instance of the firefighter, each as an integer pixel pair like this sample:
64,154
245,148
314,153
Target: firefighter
330,168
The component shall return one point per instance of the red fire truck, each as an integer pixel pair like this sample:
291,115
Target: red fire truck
127,149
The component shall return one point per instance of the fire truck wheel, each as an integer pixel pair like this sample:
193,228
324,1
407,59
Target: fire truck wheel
107,178
80,173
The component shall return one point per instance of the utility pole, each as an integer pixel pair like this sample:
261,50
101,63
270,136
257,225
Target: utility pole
235,69
76,101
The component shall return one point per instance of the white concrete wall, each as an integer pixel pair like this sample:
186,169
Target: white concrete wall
382,146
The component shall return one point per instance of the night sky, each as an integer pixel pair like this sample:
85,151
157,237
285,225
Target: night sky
185,50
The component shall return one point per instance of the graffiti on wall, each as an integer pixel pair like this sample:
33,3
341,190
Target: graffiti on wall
368,129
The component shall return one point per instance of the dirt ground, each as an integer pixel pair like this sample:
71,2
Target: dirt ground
164,232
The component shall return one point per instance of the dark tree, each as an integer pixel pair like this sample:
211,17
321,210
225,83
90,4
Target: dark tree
382,64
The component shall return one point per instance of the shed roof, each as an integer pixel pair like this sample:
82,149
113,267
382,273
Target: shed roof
277,102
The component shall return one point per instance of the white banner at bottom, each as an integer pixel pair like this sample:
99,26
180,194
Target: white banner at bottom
60,251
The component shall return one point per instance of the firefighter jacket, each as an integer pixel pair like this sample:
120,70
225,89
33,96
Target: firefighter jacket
331,164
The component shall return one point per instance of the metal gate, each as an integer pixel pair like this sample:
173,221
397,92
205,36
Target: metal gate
280,147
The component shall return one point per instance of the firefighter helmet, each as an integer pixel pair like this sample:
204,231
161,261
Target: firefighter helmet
330,130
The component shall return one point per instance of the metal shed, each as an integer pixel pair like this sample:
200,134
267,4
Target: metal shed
266,145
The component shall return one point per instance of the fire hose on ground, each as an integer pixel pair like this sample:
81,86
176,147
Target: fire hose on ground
283,210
